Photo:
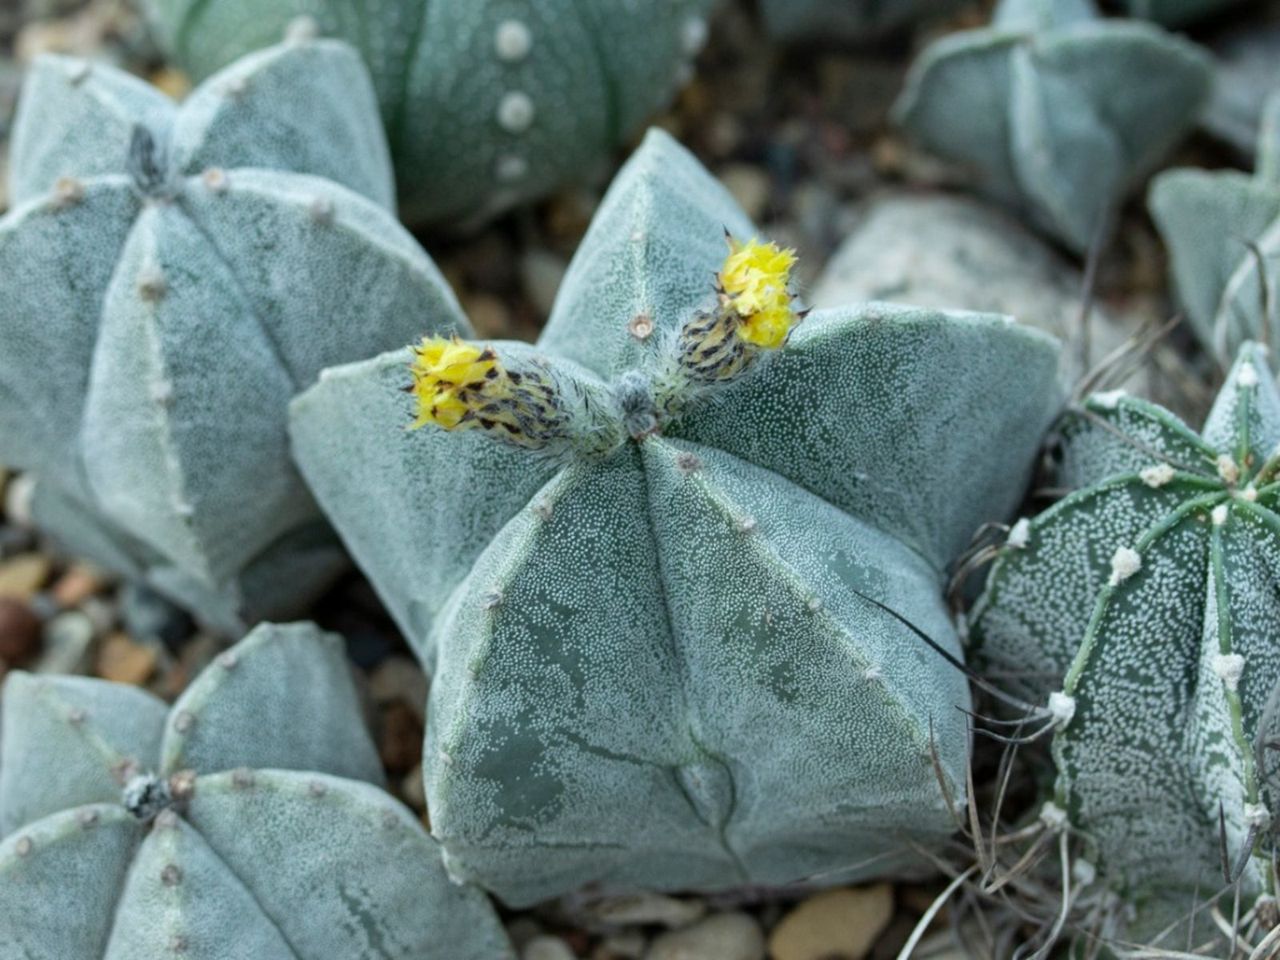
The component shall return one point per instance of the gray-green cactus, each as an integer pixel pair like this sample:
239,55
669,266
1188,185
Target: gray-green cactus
238,824
849,21
1055,111
659,649
1173,13
1223,234
169,278
487,103
1142,609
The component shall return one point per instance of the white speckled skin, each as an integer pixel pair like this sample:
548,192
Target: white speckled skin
1055,111
1208,221
286,848
660,669
152,340
848,20
1149,753
446,70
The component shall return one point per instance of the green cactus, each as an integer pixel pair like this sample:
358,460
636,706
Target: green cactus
1223,234
662,618
1175,13
1142,608
487,103
169,278
852,21
238,824
1055,111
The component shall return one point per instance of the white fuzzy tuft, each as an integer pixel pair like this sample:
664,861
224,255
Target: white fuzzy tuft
1248,375
1256,815
512,41
1053,816
1062,707
1019,535
1219,515
1249,494
1110,399
1083,872
516,111
1157,476
1228,469
1229,667
1125,562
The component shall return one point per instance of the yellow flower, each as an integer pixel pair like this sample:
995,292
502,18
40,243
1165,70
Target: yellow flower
452,380
755,280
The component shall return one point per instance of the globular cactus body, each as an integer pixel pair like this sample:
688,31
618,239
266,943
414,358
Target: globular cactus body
1142,608
662,618
1056,111
487,103
169,278
1223,233
238,824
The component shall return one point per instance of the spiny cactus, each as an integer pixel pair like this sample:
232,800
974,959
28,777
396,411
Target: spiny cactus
1223,234
1142,608
1055,111
657,563
487,103
852,20
241,823
169,278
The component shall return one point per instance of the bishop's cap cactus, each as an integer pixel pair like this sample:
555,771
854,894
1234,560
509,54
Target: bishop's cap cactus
657,563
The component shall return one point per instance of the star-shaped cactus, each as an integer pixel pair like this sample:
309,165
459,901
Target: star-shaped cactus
245,822
487,103
1056,111
1143,609
1223,234
657,563
169,277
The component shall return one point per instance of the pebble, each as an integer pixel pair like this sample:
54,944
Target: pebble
80,582
19,498
413,790
725,936
750,186
399,678
646,908
19,631
546,948
124,660
67,639
628,945
400,745
834,925
21,577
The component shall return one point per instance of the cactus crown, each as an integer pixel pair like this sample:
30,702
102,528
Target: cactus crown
528,403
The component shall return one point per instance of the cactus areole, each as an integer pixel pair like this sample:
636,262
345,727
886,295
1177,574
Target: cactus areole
657,563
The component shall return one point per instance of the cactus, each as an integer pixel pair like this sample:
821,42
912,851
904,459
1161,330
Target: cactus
656,564
169,278
239,823
487,103
1142,609
1056,112
1223,234
859,20
1176,13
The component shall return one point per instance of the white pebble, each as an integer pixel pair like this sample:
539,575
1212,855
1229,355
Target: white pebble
725,936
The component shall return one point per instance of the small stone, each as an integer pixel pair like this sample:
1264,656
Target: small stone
400,744
647,908
398,678
837,923
19,631
413,790
547,948
629,945
171,81
21,577
123,660
725,936
750,186
79,583
67,639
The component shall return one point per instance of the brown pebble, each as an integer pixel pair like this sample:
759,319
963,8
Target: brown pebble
400,745
19,631
77,585
836,923
122,659
22,576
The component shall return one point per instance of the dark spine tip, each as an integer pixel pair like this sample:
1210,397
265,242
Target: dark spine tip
145,164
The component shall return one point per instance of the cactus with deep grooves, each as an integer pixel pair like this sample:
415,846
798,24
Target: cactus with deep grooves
169,278
656,562
238,824
1056,111
1142,608
850,21
487,103
1223,234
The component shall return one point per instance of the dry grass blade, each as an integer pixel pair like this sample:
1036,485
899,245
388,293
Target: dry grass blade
927,919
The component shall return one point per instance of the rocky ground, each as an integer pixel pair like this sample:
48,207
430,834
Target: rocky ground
802,141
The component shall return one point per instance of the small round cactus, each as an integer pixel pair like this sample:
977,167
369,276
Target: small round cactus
1056,111
487,103
1142,609
240,823
170,277
659,564
1223,234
